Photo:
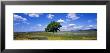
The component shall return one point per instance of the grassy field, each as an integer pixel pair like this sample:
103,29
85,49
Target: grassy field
81,35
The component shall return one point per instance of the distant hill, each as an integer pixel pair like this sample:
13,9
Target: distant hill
89,30
84,30
75,30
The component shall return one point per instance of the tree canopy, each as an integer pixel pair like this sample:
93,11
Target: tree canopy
53,27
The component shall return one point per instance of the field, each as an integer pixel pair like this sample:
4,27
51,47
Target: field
80,35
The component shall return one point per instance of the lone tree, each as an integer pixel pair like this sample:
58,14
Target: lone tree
53,27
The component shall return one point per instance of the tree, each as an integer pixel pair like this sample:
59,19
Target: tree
53,27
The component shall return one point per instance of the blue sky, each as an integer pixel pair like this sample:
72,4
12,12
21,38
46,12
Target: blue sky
25,22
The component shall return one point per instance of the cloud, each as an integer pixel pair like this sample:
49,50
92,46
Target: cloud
75,27
50,16
89,27
19,18
25,22
16,23
67,27
72,16
64,27
39,25
34,14
61,21
92,26
78,27
89,21
70,25
84,27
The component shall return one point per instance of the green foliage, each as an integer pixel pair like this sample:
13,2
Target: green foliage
53,27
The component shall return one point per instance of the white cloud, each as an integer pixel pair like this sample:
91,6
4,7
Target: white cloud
93,26
89,20
16,23
76,27
86,28
25,22
61,21
50,16
90,27
67,27
39,25
34,14
72,16
19,18
71,25
64,27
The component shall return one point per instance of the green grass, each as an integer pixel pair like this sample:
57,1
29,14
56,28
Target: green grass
82,35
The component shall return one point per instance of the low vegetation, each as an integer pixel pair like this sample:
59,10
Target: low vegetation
81,35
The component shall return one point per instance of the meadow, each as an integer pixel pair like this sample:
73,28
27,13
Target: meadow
64,35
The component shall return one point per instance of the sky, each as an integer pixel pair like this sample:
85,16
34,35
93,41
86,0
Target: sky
28,22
